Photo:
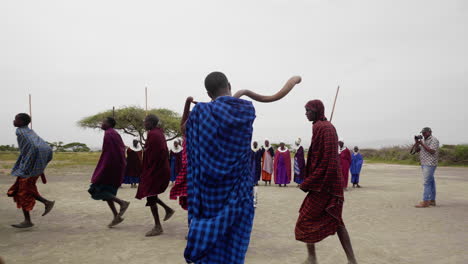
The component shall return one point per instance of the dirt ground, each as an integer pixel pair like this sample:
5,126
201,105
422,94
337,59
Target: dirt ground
382,222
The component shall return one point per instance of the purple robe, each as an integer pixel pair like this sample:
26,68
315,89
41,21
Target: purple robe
176,163
282,167
299,166
345,160
256,159
111,166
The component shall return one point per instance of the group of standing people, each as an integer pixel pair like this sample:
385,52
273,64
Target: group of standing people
268,163
350,162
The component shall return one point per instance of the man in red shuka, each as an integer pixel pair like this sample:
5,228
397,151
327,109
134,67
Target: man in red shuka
156,173
320,213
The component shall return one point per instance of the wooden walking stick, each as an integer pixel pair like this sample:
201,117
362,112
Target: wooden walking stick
334,103
146,100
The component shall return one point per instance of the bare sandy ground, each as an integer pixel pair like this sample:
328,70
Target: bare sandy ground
382,222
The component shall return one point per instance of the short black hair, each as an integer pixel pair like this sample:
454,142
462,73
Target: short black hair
216,81
153,119
24,117
111,121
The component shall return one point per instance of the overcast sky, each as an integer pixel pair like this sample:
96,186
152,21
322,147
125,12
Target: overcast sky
401,64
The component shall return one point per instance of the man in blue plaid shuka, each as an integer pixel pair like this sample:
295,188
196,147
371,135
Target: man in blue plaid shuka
34,156
220,204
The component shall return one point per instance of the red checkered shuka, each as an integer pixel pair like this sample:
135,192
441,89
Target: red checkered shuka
179,190
320,213
24,192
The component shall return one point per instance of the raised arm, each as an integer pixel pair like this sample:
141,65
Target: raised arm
186,113
288,86
432,148
416,147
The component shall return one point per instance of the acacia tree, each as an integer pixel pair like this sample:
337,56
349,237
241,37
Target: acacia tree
56,146
130,121
76,147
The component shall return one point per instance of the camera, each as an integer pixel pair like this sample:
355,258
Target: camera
418,137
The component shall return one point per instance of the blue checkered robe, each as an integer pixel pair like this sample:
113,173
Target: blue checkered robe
220,204
34,156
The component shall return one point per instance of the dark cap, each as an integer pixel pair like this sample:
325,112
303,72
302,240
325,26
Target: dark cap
426,129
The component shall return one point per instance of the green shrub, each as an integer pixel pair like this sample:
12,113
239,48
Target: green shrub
448,155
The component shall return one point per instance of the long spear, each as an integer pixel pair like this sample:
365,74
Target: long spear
146,100
30,110
334,103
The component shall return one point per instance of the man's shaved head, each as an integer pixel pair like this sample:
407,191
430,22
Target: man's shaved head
151,121
22,119
215,83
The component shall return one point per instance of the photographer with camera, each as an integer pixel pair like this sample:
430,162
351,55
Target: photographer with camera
428,148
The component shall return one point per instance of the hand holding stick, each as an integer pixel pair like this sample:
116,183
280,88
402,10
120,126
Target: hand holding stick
288,86
186,112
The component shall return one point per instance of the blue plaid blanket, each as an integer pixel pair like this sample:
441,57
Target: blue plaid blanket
220,204
34,156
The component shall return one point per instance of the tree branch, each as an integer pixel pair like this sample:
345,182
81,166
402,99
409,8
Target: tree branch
172,138
128,132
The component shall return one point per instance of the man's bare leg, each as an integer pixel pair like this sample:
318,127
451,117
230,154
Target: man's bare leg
123,205
27,221
157,229
117,219
48,204
312,258
112,207
346,243
169,211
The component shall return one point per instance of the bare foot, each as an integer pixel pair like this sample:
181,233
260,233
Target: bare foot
48,207
123,208
169,214
23,225
310,260
156,231
117,220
